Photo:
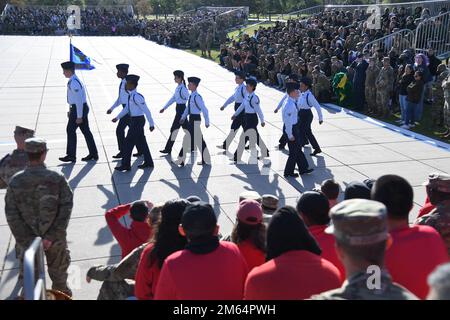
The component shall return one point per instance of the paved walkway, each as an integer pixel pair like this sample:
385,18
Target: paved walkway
33,94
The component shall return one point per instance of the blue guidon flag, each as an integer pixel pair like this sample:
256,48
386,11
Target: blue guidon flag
81,60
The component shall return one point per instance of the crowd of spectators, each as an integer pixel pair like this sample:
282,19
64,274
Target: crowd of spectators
53,21
333,48
175,250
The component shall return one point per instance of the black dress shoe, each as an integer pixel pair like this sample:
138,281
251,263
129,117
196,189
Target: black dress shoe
291,175
221,146
281,147
146,165
165,151
247,148
316,152
306,171
122,168
118,156
90,157
68,159
137,155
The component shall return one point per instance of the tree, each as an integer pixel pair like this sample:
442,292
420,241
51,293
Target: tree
143,8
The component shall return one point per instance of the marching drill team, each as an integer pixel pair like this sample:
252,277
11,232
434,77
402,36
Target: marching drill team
296,108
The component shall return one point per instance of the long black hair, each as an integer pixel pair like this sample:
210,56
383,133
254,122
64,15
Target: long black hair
167,239
287,232
256,234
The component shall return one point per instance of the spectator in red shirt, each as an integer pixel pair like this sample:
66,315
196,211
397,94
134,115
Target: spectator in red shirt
314,209
140,230
294,269
249,233
331,190
427,208
415,251
207,269
166,241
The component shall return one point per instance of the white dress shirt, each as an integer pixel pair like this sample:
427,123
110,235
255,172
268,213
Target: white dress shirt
123,95
137,107
282,101
307,101
76,95
290,116
196,105
180,96
238,96
251,105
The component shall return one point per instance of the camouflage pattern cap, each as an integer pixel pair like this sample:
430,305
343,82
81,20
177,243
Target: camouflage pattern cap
251,195
24,131
35,145
359,222
439,182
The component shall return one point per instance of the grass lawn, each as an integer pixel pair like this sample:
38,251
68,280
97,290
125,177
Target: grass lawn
250,29
425,128
214,54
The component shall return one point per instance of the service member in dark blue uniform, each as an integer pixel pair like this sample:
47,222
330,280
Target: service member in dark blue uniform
252,110
195,107
291,129
305,102
238,97
180,97
137,110
78,116
122,99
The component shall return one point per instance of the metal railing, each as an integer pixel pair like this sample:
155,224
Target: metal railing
434,33
34,290
303,12
400,40
433,6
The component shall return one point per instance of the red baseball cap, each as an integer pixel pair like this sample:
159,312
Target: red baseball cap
250,212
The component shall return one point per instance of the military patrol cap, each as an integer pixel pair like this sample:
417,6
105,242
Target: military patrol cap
386,59
132,78
194,80
306,81
269,204
359,222
441,67
251,82
35,145
240,74
293,77
69,65
372,58
122,67
178,73
291,86
24,131
439,182
252,195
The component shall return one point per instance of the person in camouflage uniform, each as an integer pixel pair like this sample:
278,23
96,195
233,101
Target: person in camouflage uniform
384,85
321,85
209,41
18,159
361,232
118,279
438,191
446,88
38,203
370,85
193,38
202,42
437,109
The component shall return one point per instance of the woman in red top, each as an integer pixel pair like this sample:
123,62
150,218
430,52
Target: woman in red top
166,241
294,269
249,233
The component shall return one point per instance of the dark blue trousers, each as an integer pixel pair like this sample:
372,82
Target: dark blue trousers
71,130
136,137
